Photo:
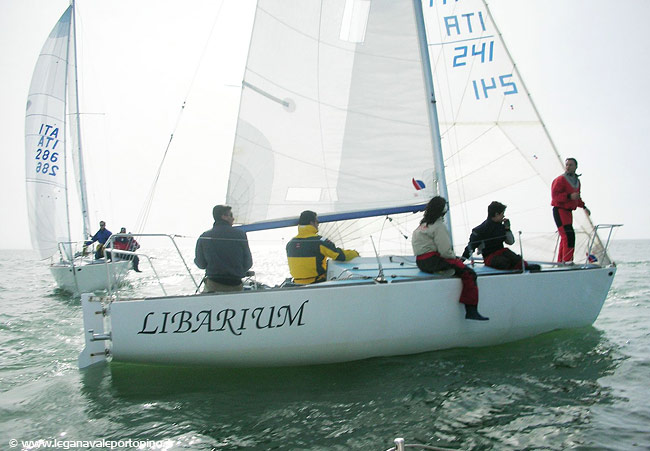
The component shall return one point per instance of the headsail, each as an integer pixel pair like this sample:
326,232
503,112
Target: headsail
45,142
333,111
495,145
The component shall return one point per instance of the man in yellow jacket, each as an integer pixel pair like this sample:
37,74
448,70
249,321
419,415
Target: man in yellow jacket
308,252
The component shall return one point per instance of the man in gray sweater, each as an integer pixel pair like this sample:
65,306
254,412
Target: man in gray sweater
224,253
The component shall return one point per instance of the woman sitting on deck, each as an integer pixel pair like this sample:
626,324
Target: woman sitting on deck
432,246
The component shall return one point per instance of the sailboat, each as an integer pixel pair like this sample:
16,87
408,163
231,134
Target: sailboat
339,115
52,138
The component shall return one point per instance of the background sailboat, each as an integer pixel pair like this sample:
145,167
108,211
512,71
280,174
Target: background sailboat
52,141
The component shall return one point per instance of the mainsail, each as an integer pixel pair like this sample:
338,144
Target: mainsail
333,114
45,142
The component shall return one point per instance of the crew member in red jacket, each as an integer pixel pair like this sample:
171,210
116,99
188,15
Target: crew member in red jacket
565,197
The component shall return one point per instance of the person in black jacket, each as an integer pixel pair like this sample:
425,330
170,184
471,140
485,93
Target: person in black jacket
489,237
224,253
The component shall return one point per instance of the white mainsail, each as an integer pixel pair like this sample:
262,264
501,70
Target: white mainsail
45,142
341,127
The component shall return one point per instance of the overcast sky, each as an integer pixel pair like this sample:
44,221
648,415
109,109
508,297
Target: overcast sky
585,62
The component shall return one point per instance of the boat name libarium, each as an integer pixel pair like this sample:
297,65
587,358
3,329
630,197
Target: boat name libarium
235,321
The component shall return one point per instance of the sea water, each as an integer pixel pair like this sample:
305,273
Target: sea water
577,389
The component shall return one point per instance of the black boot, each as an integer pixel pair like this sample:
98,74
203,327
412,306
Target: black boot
471,312
136,263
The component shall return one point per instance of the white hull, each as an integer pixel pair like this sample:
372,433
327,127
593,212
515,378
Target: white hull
89,276
341,320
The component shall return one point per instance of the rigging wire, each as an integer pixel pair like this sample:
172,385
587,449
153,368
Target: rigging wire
356,232
143,216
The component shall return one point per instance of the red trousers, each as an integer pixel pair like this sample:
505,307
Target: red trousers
564,222
432,262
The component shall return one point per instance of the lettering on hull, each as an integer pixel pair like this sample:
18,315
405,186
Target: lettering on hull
234,321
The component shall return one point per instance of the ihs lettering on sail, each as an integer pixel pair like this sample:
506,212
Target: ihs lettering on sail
47,156
470,37
483,52
464,24
49,136
229,320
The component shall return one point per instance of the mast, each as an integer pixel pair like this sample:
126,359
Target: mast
432,111
83,195
67,248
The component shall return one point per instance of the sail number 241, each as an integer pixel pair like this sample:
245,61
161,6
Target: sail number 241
46,155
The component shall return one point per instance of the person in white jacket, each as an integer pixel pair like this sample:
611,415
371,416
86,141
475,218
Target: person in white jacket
432,247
